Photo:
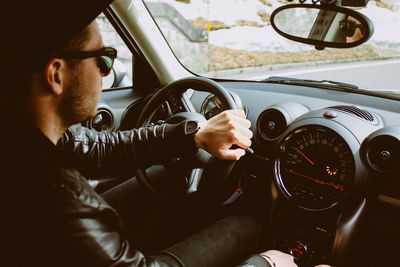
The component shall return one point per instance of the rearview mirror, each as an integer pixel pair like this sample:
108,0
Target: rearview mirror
322,26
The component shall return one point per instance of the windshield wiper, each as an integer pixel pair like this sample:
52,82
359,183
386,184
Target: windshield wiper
320,84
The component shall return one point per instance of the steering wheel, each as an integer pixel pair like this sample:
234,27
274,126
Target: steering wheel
216,166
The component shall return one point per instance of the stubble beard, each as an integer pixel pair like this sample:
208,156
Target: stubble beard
75,106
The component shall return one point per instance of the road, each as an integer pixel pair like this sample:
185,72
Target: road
376,75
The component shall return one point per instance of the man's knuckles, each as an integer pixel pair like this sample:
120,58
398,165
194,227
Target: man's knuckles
234,138
231,125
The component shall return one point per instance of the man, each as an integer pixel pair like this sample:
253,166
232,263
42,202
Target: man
51,216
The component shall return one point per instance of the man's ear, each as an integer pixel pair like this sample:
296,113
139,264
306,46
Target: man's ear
55,74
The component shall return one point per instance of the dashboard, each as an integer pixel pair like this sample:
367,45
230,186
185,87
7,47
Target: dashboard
327,154
330,160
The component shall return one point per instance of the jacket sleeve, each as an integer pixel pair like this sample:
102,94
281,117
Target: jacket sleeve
119,153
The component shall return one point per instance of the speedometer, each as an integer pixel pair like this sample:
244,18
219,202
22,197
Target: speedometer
314,167
211,106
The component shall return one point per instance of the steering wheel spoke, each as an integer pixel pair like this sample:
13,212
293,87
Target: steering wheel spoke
175,103
172,96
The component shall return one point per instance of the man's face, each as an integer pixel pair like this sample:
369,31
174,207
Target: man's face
83,89
357,33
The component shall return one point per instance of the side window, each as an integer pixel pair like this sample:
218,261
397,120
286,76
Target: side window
121,76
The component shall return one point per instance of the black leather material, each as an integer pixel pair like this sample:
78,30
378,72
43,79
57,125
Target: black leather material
119,153
50,214
52,217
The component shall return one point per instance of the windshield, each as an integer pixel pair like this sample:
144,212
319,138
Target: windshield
233,39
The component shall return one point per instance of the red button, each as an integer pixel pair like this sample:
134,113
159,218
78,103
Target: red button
330,115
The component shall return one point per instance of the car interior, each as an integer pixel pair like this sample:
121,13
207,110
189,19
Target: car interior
323,170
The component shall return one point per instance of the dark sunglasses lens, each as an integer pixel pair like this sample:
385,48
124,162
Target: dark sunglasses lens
105,64
348,28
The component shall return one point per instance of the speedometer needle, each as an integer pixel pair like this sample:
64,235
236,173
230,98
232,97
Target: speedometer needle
336,186
301,153
308,177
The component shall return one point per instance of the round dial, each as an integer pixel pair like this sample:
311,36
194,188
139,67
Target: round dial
211,106
315,167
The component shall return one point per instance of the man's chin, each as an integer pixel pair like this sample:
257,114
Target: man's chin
82,119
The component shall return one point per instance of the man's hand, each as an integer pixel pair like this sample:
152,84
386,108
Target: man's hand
218,134
277,258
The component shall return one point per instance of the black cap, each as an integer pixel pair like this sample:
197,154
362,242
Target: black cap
34,29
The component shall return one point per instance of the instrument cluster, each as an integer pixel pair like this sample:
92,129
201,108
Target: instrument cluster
317,163
314,167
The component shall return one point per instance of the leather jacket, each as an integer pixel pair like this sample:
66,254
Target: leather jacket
54,218
95,153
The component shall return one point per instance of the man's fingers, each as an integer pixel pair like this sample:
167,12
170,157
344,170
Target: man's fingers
242,121
238,112
232,154
218,134
243,130
241,140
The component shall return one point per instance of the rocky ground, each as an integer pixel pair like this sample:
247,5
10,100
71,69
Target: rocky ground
222,58
225,58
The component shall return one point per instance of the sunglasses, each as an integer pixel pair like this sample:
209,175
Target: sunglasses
104,57
349,27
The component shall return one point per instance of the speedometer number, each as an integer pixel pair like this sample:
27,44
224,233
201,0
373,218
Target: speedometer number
315,167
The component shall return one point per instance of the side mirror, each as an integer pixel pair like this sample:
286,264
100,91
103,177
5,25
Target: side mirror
322,26
117,78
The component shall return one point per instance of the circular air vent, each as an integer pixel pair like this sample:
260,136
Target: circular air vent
381,151
103,122
271,124
273,121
